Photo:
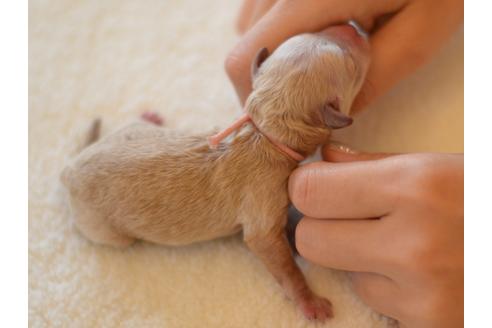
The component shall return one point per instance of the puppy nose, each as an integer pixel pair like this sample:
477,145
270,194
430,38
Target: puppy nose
349,34
344,30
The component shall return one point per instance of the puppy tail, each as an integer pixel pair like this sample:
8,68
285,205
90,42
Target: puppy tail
92,136
94,132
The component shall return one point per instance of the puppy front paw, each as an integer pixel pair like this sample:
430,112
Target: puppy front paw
316,308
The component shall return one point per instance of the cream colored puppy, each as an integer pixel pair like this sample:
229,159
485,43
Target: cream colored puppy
150,183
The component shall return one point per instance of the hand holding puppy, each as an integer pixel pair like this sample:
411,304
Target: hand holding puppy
404,34
395,222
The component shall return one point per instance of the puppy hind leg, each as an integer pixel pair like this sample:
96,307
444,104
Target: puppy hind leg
274,251
97,229
103,234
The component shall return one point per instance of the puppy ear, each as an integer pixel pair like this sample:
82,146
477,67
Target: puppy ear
333,118
260,57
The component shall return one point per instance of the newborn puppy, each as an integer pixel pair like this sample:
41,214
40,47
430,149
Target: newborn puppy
146,182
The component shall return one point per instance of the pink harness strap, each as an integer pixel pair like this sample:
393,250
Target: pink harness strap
214,140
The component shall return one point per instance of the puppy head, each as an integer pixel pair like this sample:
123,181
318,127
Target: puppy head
306,87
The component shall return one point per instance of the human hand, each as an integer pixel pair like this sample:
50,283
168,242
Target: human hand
395,222
404,34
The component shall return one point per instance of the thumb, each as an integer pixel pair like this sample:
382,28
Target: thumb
338,153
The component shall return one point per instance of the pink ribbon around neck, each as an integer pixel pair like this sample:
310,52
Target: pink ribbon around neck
214,140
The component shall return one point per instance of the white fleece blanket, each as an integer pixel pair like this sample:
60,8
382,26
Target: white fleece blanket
114,58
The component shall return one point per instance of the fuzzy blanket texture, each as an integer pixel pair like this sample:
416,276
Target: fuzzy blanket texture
115,58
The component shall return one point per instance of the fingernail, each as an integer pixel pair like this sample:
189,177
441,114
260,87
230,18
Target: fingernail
341,148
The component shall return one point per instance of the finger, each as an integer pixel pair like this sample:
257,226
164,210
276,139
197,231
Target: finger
261,8
405,43
336,152
284,20
245,14
378,292
353,245
352,190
